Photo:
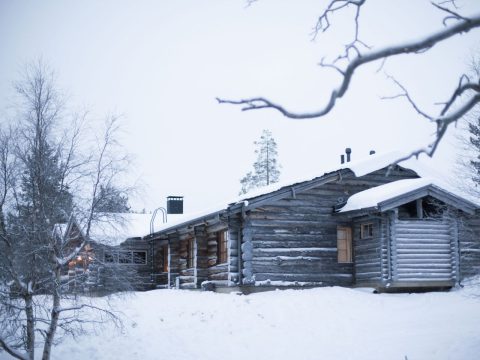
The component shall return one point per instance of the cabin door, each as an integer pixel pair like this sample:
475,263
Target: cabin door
424,251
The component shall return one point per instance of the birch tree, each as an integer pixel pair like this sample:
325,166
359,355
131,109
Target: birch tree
266,169
45,178
357,54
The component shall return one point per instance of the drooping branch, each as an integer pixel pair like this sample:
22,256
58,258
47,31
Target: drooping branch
11,351
412,47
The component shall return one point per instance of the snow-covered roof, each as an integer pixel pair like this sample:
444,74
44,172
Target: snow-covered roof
114,228
185,218
374,197
359,168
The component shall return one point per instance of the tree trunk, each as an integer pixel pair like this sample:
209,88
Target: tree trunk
30,326
55,314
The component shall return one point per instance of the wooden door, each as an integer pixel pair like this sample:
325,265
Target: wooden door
344,244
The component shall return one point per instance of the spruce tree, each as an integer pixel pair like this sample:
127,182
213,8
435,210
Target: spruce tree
111,200
474,129
266,169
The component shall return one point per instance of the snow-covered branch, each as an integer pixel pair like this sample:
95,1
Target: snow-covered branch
408,48
11,351
354,58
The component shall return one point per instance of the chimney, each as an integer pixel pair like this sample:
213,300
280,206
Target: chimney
372,152
348,151
342,159
175,205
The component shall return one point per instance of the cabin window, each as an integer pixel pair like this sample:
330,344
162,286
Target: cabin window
222,247
190,253
366,231
140,257
344,244
165,258
109,258
124,257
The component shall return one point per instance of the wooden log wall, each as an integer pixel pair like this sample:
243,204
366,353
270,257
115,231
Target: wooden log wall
160,276
234,250
217,273
187,275
205,267
424,251
144,271
201,254
295,239
370,254
469,244
173,259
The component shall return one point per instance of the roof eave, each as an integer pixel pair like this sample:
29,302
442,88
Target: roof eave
204,219
429,190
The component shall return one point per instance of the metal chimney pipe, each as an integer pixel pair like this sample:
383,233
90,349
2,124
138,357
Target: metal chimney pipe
372,152
348,151
342,159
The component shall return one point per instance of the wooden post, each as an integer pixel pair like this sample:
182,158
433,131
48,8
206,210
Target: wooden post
201,255
173,259
456,250
419,209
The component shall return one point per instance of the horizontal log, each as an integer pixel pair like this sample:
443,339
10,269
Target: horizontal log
294,252
403,261
359,265
432,246
340,279
373,275
426,266
424,278
281,244
302,269
423,251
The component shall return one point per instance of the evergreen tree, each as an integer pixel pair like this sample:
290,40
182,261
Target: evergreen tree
474,139
111,200
266,169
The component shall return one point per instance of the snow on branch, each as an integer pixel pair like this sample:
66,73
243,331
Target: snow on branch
11,351
355,58
361,59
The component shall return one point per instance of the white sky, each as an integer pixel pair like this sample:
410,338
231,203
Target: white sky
162,63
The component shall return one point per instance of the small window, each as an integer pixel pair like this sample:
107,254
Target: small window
222,247
140,257
344,244
190,253
366,231
165,258
109,258
124,257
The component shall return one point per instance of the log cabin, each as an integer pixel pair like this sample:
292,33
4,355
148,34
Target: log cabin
115,257
366,223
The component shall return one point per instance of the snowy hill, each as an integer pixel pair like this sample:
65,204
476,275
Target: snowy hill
322,323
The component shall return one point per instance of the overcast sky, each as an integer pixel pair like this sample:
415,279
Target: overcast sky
162,63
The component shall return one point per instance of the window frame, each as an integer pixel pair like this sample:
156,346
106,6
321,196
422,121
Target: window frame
366,231
145,261
222,247
116,257
112,255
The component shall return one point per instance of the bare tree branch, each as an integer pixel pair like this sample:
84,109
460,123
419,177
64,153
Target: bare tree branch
408,97
11,351
407,48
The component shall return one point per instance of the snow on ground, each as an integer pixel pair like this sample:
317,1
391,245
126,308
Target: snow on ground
322,323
